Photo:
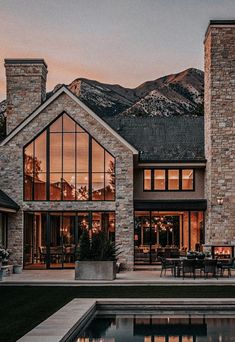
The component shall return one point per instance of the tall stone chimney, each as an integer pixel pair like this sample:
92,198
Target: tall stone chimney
220,131
26,88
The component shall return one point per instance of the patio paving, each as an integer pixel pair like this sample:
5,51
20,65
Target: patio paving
140,277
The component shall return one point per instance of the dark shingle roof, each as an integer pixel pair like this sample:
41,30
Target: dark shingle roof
163,138
7,202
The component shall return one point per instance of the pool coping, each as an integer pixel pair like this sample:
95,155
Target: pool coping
79,311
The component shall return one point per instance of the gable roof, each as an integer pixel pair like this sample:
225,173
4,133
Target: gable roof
175,138
64,89
7,203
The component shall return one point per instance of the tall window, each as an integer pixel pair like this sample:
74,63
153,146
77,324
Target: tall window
65,163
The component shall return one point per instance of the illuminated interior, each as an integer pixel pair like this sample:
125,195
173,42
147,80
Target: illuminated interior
166,233
51,239
65,163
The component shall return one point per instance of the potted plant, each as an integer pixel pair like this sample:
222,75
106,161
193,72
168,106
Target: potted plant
4,255
96,258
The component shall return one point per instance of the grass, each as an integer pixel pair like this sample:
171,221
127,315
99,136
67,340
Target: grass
23,307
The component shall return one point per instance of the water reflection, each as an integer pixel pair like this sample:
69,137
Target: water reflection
121,328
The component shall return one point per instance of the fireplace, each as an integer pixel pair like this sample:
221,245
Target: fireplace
222,252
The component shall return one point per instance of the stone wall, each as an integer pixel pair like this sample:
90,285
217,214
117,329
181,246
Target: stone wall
220,132
26,89
11,177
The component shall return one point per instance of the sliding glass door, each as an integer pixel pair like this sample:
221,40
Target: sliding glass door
165,234
51,239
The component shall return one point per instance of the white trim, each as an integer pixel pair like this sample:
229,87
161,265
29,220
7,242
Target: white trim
63,89
7,210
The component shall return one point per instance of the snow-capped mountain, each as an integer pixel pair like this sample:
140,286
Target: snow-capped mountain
177,94
172,95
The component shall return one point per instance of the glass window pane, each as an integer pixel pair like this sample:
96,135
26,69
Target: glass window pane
68,186
68,124
28,159
55,186
159,179
173,179
98,186
57,125
109,186
187,179
83,223
97,157
147,179
28,187
82,152
79,129
40,186
109,162
82,187
68,152
55,152
40,153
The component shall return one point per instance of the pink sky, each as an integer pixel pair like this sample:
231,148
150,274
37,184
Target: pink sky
124,41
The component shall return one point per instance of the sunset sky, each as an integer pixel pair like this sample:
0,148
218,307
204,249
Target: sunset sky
113,41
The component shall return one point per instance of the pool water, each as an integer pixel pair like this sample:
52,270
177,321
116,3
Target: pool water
155,328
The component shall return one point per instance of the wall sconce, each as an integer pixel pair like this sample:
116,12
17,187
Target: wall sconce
220,200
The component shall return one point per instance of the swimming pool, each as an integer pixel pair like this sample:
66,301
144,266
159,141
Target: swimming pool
158,328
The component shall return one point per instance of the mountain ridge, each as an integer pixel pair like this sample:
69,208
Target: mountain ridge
175,94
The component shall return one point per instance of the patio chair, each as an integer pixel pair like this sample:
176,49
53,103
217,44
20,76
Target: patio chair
199,265
228,266
188,267
210,266
167,265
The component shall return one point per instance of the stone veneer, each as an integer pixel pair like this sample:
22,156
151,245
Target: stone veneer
11,177
220,131
26,88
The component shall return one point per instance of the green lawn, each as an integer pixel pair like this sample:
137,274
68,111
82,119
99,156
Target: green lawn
22,308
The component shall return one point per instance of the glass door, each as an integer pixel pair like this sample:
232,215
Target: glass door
61,247
55,253
142,237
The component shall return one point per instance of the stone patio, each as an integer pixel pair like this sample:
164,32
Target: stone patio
140,277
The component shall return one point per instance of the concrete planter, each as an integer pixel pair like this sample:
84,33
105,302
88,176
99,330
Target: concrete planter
95,270
17,269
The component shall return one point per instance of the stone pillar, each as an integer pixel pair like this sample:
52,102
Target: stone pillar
220,131
26,88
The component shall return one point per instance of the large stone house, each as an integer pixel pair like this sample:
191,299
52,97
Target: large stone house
155,186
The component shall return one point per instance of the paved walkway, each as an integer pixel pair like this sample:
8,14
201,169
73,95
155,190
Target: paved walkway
141,277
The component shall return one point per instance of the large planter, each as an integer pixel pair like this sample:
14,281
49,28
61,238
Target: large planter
95,270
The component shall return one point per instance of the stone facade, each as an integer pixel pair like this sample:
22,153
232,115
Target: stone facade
220,132
26,88
11,181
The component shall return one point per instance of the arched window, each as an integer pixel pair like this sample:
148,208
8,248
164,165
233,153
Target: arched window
65,163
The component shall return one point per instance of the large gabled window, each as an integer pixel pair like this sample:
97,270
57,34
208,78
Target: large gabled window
65,163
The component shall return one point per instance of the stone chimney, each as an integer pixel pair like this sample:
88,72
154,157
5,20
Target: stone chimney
26,88
220,131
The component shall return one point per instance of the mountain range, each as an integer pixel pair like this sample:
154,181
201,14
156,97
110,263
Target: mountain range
172,95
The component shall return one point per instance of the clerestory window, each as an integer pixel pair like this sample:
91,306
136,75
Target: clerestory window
65,163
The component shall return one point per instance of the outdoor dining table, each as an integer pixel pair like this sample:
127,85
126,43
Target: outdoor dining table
177,262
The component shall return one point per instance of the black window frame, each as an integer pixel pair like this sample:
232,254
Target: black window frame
48,172
166,179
